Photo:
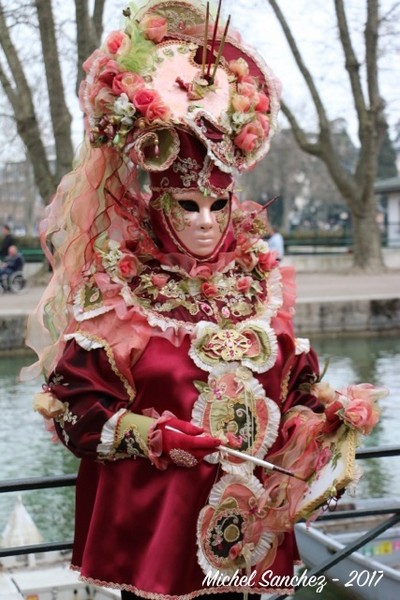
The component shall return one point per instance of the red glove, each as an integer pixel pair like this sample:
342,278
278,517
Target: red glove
186,449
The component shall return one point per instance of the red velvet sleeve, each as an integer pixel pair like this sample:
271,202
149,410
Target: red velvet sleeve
91,392
304,370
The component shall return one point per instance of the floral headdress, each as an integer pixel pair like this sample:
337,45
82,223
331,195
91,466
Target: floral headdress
172,74
173,67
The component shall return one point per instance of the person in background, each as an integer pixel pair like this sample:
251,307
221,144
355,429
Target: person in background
13,262
276,243
8,240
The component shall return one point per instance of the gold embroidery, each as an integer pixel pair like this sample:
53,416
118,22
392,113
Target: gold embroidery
228,344
285,387
188,170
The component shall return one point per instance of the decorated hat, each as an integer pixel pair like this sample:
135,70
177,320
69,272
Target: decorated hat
175,75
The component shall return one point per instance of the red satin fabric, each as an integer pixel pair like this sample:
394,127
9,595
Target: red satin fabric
136,525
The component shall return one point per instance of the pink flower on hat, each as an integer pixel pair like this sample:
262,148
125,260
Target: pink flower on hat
267,261
244,284
128,83
154,28
239,67
250,137
263,103
248,89
241,103
264,122
149,103
158,110
109,72
117,42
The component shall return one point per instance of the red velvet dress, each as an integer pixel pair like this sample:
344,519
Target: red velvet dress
137,526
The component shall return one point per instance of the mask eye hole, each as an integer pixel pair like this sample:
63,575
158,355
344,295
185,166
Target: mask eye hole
189,205
219,204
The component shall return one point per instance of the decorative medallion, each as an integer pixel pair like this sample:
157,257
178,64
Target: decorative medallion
233,406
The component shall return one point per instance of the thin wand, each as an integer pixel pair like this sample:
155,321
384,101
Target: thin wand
253,459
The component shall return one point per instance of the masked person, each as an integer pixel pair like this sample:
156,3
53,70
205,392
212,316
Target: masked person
167,326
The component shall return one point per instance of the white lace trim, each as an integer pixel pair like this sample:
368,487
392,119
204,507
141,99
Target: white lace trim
302,346
106,447
83,341
80,314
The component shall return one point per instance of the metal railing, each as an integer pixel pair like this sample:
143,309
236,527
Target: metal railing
18,485
316,241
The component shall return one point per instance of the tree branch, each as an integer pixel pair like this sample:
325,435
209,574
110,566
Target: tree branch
86,34
23,90
5,82
371,46
98,12
321,149
322,116
60,116
299,133
27,125
351,63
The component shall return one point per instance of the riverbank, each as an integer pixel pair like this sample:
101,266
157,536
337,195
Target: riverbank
328,302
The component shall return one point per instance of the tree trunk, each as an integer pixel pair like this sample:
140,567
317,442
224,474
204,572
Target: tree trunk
357,187
60,116
366,235
88,33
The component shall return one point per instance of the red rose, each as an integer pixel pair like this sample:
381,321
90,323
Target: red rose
250,137
159,280
111,70
127,266
154,28
143,98
127,83
247,89
244,284
209,290
267,261
361,415
332,410
263,103
264,122
158,110
96,56
241,103
117,41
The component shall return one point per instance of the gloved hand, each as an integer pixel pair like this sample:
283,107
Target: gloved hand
184,443
162,439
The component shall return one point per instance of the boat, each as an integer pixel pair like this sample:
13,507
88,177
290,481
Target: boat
370,573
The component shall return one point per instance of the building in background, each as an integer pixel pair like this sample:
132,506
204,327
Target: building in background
21,206
388,194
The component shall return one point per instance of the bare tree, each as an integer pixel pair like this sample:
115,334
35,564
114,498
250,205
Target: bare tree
356,187
20,94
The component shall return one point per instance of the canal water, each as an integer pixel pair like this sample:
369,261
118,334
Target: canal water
26,449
